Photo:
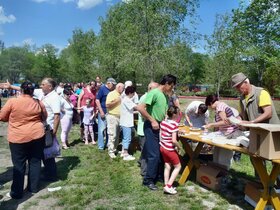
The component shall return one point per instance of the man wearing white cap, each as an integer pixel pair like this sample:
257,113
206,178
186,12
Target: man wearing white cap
135,98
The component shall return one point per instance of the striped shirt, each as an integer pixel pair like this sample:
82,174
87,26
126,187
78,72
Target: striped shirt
223,107
167,127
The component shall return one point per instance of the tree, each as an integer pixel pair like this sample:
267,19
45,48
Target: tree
197,69
137,38
257,35
46,63
78,60
15,62
2,46
219,48
248,40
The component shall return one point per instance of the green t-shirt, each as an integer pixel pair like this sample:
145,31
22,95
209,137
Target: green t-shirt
157,104
140,123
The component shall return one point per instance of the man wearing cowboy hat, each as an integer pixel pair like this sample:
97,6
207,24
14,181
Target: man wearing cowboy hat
256,105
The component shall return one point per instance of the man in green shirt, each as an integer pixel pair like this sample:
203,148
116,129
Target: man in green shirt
154,110
140,128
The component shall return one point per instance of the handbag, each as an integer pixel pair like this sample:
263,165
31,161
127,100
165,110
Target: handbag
48,132
52,151
48,136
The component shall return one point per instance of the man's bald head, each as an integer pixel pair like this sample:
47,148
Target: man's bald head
120,87
152,85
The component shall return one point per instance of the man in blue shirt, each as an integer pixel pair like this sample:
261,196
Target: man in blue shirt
101,105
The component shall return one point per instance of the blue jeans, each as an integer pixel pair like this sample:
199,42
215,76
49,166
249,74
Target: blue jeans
151,154
126,137
102,124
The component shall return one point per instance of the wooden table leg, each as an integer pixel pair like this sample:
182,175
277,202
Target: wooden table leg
193,156
274,198
267,181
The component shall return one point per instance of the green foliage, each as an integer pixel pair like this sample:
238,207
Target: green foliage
271,77
139,40
78,60
247,40
256,31
197,69
46,63
15,62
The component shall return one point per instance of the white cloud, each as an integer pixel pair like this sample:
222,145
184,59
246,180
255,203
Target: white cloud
87,4
6,18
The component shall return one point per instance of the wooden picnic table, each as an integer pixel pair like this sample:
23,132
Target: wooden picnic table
267,179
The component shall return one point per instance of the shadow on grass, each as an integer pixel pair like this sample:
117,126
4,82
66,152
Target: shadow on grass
232,188
65,165
75,142
13,204
6,176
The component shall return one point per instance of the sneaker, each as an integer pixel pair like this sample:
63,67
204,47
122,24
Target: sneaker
112,155
151,186
93,142
64,146
128,157
8,195
121,154
169,190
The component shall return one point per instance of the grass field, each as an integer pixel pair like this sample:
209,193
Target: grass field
91,180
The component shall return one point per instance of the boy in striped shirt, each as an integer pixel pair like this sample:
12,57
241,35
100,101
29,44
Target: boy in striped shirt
169,148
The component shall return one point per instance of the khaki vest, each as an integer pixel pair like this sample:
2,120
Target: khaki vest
251,110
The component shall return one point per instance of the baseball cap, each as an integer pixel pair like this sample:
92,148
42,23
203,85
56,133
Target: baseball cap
127,83
111,80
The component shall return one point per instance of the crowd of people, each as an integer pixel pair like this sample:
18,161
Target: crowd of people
109,109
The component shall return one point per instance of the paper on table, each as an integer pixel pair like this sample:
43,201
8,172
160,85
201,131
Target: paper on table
220,140
194,133
234,120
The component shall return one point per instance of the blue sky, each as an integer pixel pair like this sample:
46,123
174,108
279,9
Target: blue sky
53,21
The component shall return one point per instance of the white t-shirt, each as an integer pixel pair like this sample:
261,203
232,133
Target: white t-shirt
135,98
126,115
38,94
192,109
67,107
88,111
59,90
52,104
